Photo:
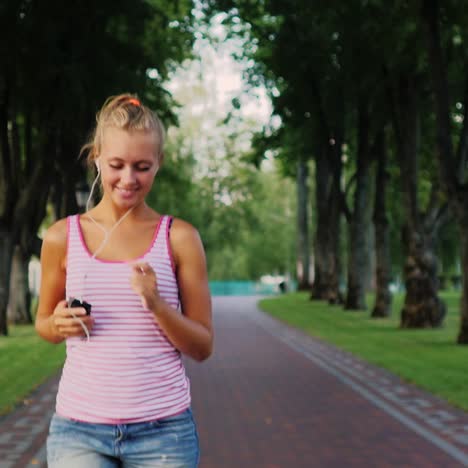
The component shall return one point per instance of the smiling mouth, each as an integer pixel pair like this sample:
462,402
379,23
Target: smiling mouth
126,191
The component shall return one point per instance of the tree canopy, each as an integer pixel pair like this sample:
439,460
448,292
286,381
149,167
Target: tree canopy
61,61
366,84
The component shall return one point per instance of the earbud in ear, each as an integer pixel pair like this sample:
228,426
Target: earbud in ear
98,167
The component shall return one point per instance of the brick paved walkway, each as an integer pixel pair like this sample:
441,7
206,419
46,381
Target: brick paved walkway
271,397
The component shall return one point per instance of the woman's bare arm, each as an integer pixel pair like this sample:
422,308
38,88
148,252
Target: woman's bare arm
190,332
53,320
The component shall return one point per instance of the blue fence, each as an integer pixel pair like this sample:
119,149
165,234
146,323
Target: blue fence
242,288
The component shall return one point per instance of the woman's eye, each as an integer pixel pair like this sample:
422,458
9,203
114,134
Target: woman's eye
118,167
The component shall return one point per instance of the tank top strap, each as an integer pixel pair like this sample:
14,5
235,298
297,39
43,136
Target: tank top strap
74,236
162,235
161,245
162,227
72,224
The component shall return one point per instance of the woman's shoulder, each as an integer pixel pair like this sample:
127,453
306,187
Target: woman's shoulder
56,234
182,230
185,241
54,245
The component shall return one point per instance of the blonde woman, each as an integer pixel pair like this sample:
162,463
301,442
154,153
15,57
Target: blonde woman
127,289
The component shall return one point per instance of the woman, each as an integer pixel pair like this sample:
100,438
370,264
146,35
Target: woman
124,398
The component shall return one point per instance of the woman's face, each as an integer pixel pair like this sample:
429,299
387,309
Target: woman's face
128,165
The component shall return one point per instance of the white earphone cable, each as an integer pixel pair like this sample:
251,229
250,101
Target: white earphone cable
107,235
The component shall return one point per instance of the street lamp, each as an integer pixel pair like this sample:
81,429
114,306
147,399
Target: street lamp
82,194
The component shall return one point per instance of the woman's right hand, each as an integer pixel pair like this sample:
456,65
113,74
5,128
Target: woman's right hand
66,325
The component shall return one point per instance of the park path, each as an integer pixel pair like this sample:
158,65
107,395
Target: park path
272,397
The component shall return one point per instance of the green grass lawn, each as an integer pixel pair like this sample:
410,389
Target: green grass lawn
25,361
428,358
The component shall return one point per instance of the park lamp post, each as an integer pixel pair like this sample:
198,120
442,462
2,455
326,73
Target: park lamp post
82,194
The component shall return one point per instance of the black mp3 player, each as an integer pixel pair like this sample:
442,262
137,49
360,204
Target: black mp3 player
77,303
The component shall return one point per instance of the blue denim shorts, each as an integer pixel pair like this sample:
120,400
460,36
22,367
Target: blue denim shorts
170,442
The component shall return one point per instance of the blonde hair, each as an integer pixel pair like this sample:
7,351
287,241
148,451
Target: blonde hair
125,112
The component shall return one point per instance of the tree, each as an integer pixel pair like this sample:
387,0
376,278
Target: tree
306,90
422,307
340,87
303,251
383,297
444,30
54,81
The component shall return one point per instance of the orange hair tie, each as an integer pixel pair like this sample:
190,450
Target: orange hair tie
134,101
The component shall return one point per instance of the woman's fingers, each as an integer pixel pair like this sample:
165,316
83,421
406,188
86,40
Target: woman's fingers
144,283
66,320
142,268
143,277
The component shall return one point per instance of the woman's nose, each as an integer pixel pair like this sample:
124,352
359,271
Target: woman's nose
128,176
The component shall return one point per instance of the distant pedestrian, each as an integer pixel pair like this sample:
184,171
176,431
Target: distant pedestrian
283,287
127,288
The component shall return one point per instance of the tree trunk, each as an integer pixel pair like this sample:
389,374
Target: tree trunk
358,265
303,254
329,132
326,247
463,331
19,306
335,210
422,307
383,296
321,245
6,249
334,295
451,166
322,267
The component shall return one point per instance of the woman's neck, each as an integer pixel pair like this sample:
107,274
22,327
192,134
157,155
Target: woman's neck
108,213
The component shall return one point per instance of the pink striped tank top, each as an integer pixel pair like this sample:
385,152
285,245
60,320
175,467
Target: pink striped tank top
128,371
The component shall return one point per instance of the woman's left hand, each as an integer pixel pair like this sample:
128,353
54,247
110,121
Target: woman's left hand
144,283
